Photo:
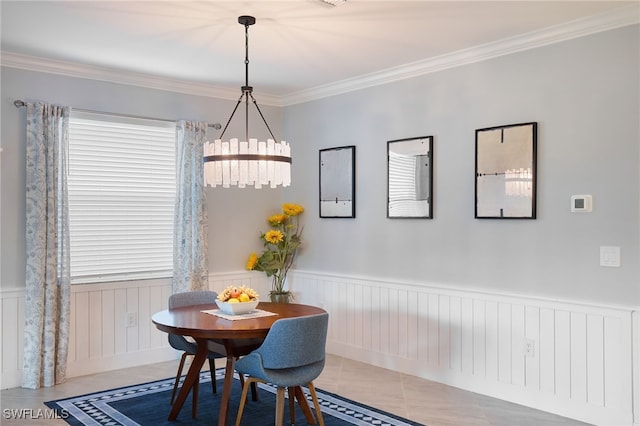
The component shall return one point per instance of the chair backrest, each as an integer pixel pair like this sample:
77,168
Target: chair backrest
294,342
190,298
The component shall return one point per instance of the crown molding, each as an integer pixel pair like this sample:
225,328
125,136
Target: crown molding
78,70
617,18
607,21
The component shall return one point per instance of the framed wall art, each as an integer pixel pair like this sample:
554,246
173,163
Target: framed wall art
337,182
506,172
410,178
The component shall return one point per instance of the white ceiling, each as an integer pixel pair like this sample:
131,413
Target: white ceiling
295,47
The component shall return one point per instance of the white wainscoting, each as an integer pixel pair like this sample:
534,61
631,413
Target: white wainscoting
582,354
12,328
99,337
584,365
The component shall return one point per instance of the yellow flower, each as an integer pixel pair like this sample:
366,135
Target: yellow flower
291,209
280,243
251,263
277,219
274,236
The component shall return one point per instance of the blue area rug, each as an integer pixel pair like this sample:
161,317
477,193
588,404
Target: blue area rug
148,404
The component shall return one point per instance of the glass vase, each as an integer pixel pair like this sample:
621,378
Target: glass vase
278,294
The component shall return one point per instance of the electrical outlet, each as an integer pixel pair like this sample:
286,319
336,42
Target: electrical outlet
529,348
610,256
132,319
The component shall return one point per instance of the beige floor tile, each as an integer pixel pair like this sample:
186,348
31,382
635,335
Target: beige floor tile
419,400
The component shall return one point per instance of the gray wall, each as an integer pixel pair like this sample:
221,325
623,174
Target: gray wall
236,216
583,93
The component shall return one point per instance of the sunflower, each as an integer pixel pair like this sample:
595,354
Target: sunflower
277,219
273,236
252,262
291,209
280,243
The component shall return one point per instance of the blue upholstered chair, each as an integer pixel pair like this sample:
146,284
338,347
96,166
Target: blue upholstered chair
188,347
292,354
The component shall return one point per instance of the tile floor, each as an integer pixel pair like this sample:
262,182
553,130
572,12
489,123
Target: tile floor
420,400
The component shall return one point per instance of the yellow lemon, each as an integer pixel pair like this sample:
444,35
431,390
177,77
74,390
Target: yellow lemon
244,297
233,300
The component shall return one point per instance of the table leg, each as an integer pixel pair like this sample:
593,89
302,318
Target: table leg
193,375
226,390
304,405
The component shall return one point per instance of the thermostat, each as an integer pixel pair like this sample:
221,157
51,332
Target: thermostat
581,203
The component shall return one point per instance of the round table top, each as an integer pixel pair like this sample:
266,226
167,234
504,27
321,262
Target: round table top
191,321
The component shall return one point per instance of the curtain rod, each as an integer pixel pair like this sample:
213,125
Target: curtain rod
19,103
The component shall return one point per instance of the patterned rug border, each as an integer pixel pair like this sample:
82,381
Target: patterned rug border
94,409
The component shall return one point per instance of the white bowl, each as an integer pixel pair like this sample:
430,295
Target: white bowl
237,308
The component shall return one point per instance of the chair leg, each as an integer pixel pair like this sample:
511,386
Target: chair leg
279,406
212,370
254,387
175,384
292,404
243,398
254,391
316,404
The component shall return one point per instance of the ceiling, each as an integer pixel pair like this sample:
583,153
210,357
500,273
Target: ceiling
296,46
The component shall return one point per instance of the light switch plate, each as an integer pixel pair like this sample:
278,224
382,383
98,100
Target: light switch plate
610,256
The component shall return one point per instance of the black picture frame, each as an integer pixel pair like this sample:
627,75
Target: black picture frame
337,192
410,178
505,171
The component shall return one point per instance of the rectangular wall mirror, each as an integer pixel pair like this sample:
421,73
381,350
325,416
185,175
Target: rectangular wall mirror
410,178
506,172
338,182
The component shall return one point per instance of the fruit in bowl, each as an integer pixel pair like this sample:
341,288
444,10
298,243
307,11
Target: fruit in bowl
236,300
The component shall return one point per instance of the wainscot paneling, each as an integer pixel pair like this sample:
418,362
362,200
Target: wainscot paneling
12,328
572,359
580,362
110,326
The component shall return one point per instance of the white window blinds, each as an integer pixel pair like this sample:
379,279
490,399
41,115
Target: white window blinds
121,183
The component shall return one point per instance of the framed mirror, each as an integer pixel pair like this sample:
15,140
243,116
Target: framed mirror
506,172
338,182
410,178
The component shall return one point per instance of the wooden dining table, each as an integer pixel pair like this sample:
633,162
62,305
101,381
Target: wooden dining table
232,338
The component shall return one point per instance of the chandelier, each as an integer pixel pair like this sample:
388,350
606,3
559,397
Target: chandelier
247,162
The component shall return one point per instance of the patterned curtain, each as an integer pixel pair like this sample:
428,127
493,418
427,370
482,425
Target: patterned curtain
190,244
47,300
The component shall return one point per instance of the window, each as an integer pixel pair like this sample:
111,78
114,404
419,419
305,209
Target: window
121,183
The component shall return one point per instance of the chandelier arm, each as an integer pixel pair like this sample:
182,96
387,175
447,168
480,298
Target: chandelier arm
262,116
246,115
232,114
